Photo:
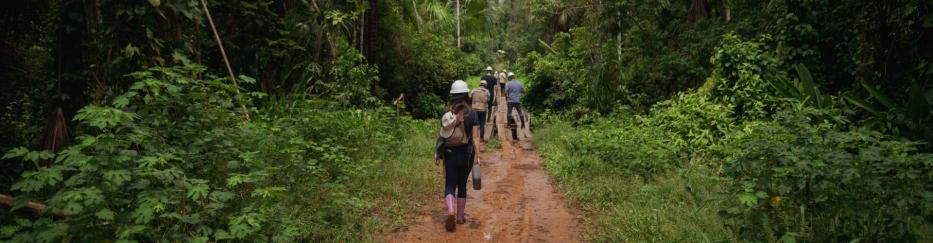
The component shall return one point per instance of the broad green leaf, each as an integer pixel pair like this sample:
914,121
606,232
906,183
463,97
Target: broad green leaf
748,199
104,214
15,152
247,79
72,209
117,177
121,101
878,95
155,3
129,232
7,231
198,191
861,103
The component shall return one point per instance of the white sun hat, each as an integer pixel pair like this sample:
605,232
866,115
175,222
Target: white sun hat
448,122
459,87
488,68
482,82
511,74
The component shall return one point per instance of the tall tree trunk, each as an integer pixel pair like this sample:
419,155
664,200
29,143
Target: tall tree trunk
318,30
697,10
69,59
372,30
619,38
728,11
458,25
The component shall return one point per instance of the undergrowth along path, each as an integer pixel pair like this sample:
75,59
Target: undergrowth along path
518,202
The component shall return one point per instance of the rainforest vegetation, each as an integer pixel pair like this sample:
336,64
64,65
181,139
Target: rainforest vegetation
313,120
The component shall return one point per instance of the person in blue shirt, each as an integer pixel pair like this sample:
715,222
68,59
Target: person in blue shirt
514,89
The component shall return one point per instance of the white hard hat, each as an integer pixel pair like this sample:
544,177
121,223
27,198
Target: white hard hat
488,68
459,87
511,74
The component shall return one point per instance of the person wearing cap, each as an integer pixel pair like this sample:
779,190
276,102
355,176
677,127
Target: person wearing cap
490,79
480,104
458,123
513,90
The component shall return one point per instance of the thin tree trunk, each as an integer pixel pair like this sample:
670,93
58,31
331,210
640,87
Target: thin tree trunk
619,39
458,25
69,58
223,54
372,30
728,11
318,31
363,32
697,10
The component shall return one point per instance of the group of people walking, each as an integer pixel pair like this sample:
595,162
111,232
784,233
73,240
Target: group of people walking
462,127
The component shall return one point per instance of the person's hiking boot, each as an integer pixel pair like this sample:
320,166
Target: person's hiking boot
450,224
461,205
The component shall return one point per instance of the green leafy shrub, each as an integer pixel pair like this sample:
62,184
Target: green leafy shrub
740,77
351,80
173,159
675,131
626,208
804,176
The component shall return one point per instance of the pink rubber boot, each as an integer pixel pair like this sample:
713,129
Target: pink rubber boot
461,205
450,225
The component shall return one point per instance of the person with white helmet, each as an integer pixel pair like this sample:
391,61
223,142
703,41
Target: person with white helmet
513,90
490,79
480,104
456,143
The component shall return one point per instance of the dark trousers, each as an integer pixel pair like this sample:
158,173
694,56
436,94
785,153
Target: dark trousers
457,168
521,114
482,123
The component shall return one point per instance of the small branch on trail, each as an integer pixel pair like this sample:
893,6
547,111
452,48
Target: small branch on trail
224,55
399,99
397,102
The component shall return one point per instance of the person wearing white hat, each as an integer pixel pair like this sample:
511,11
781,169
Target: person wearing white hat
480,104
490,79
514,90
502,80
457,140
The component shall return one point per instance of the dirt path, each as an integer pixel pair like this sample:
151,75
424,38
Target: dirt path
518,203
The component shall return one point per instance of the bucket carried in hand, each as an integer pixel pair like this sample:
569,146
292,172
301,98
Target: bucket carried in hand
477,178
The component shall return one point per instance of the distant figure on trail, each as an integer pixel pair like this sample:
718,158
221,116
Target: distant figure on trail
502,80
514,90
492,92
481,98
456,144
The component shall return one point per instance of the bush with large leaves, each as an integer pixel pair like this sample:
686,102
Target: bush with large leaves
805,175
172,159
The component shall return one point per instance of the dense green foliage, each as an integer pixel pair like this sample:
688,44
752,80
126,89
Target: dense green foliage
789,168
69,54
593,56
677,202
172,159
804,174
759,120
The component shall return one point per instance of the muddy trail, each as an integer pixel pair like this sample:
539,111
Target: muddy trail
518,201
